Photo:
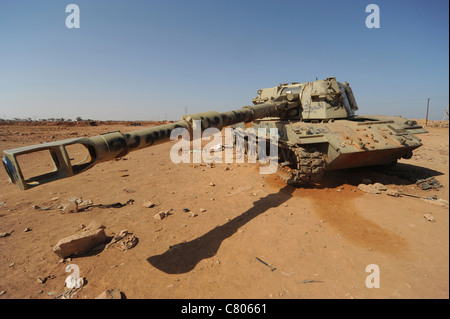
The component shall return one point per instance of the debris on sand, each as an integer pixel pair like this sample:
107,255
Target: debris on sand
79,244
110,294
429,217
71,207
393,193
376,188
123,240
369,188
149,204
159,215
6,234
428,183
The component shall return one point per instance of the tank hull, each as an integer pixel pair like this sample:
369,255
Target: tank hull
346,143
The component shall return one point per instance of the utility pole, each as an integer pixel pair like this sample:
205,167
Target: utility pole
428,106
443,118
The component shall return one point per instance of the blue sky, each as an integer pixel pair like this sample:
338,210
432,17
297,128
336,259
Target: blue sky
149,60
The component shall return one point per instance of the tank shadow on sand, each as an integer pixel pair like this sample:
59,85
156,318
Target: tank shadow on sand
401,174
183,257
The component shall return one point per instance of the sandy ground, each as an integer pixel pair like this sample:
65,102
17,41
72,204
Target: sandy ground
319,239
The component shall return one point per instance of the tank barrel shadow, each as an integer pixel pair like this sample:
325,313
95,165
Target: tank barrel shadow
183,257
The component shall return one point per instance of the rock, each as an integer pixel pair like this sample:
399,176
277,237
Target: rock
429,217
6,234
369,189
380,187
393,193
27,229
72,207
160,215
193,215
212,184
185,210
428,183
93,225
425,186
202,210
80,243
110,294
149,204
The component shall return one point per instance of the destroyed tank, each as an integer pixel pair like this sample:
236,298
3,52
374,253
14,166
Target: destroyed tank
316,125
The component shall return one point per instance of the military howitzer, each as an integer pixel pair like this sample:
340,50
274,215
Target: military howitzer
316,124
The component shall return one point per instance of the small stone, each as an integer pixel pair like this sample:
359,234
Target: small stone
369,189
110,294
380,186
193,215
27,229
5,234
393,193
72,207
202,210
429,217
212,184
160,215
185,210
149,204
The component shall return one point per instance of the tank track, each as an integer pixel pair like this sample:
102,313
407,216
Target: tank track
306,167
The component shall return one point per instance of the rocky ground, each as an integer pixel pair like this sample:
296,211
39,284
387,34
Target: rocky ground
218,231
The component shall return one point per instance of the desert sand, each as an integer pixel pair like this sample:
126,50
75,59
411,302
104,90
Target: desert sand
222,218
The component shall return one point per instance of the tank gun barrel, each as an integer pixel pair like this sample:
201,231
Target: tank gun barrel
109,146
